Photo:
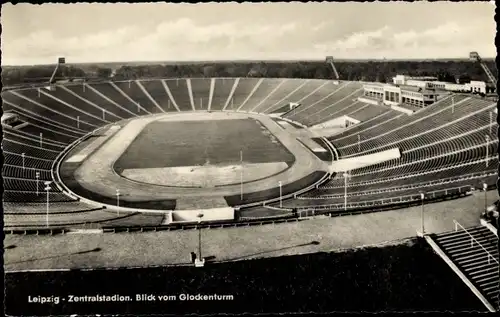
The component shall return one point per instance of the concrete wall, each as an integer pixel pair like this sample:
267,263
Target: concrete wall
351,163
212,214
369,101
333,123
404,110
338,122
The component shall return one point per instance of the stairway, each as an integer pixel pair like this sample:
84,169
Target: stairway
477,258
488,72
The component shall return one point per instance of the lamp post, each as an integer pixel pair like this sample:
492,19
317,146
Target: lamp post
422,197
281,195
485,188
200,261
41,139
37,175
78,122
487,137
118,201
346,175
199,234
47,189
491,120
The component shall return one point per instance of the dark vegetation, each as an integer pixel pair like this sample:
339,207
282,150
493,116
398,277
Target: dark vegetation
407,277
382,71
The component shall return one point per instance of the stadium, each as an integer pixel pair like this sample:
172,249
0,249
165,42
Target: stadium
168,154
215,185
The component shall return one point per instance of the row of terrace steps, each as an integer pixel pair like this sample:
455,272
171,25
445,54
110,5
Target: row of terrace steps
474,262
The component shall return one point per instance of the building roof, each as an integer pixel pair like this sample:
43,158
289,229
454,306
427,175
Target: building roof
422,78
415,89
374,83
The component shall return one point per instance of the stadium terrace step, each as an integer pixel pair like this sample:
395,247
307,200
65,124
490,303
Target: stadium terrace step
134,90
471,265
15,171
281,98
39,220
475,252
178,88
156,91
30,196
26,208
221,92
465,249
460,247
474,113
456,234
37,123
442,144
96,101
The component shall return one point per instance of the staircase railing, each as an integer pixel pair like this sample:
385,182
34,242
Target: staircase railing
488,72
474,239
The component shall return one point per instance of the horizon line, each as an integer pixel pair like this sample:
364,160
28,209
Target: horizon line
154,62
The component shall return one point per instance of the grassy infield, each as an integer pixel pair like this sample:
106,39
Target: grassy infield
191,143
403,277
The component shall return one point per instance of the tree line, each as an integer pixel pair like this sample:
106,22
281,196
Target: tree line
379,71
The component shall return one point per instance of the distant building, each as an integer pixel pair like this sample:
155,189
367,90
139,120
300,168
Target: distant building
394,95
478,87
403,79
420,91
431,83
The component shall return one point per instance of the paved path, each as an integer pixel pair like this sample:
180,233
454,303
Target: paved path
96,143
163,248
96,173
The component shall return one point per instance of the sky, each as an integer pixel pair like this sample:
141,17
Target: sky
98,32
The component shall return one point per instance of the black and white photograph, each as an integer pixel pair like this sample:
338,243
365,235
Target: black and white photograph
247,158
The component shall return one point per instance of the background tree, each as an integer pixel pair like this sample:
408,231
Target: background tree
104,72
349,70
